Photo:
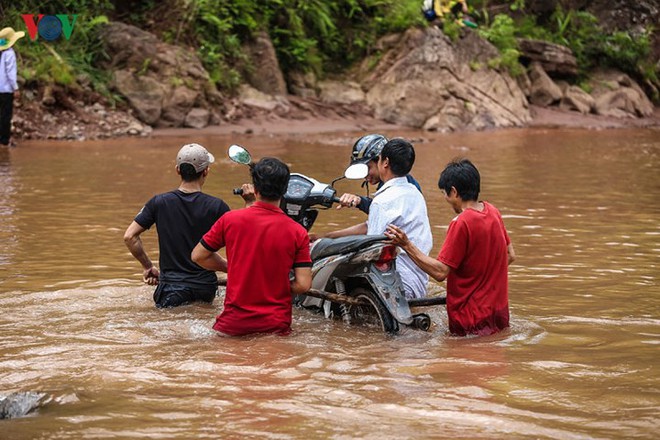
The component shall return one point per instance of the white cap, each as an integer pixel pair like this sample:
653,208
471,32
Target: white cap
195,155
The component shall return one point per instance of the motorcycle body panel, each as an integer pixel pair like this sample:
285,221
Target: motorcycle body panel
386,284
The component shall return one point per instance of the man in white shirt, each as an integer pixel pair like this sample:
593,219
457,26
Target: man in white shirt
400,203
8,84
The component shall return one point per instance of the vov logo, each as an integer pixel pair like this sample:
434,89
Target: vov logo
49,27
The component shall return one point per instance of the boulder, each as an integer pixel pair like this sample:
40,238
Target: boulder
426,81
197,118
144,94
577,99
19,404
625,102
616,94
254,98
544,92
263,72
177,105
556,60
303,84
161,82
338,92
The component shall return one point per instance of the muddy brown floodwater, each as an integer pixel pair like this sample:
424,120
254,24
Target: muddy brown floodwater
579,361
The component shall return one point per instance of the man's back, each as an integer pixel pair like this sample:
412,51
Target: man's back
402,204
181,220
263,245
477,286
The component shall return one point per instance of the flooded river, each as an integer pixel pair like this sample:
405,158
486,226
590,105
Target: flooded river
581,359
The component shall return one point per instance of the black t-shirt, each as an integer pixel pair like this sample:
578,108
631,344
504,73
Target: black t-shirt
181,220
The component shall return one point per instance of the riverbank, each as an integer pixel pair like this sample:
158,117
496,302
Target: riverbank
541,118
123,125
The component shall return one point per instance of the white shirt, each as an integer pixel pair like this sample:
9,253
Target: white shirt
8,71
400,203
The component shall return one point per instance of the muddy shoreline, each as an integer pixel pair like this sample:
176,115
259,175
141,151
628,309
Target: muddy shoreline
81,129
541,118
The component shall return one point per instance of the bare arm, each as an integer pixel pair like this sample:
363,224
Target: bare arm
302,280
436,269
511,253
207,259
134,244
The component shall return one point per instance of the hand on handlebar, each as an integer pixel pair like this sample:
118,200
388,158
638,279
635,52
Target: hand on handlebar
349,200
247,192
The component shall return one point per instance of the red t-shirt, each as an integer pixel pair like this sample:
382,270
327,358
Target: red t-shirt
477,286
263,245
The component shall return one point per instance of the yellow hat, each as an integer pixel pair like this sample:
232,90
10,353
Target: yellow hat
8,36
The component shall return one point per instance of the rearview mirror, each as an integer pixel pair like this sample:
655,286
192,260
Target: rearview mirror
357,171
239,154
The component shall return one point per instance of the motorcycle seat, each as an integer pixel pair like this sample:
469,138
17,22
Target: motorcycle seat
334,246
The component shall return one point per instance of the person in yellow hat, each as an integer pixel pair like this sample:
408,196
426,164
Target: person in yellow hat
8,84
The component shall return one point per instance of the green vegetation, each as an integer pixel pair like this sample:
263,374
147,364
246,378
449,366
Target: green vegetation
579,31
63,61
321,36
502,34
309,35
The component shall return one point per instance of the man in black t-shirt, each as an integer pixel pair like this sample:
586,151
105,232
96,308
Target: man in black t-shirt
181,217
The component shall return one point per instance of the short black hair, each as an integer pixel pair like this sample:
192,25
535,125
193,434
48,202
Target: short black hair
270,177
188,173
401,154
462,175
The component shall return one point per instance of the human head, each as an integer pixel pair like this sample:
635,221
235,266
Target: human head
462,175
366,150
8,36
400,154
192,161
270,178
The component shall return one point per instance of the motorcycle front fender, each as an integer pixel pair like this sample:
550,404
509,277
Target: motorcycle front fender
389,288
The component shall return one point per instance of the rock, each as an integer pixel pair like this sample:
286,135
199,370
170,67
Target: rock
544,92
20,404
197,118
616,94
555,59
524,83
254,98
622,103
144,94
134,128
177,106
161,82
264,73
48,98
577,99
303,84
427,82
337,92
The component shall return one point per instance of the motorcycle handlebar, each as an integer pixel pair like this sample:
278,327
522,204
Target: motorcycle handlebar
239,191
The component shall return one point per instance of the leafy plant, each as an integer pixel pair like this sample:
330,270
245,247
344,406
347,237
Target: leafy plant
501,34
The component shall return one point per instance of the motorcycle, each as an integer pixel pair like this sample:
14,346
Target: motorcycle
353,277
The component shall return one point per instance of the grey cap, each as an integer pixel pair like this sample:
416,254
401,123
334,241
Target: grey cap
195,155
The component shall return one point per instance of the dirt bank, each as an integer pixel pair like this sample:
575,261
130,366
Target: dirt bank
556,118
95,122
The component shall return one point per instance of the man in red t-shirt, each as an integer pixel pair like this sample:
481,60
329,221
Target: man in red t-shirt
473,258
263,246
